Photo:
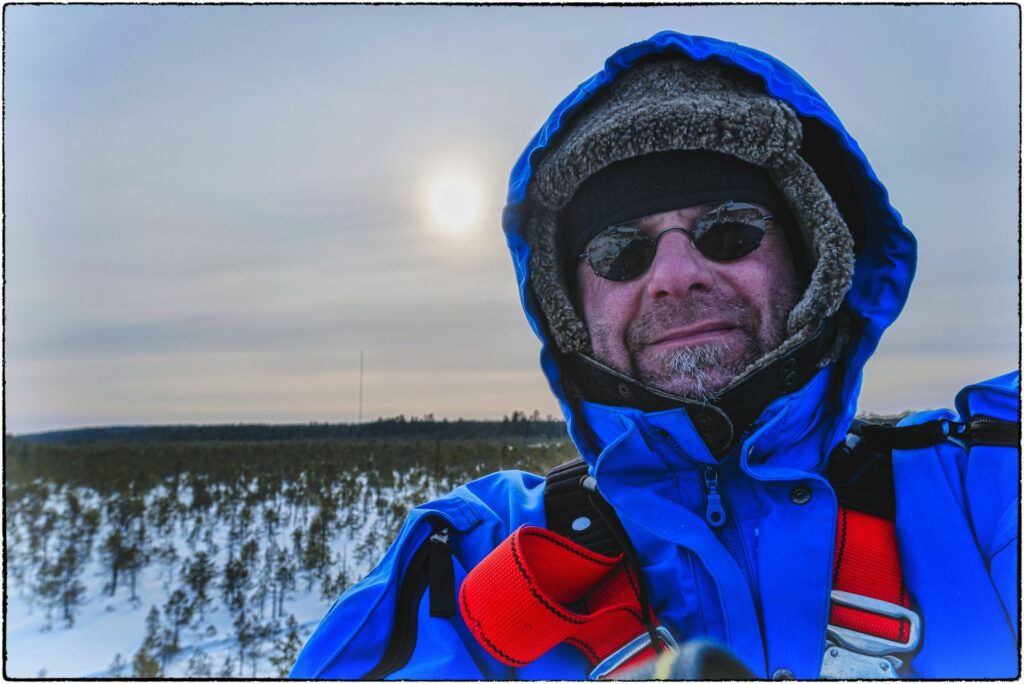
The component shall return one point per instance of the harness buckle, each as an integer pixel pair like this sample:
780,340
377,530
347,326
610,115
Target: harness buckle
842,663
607,667
869,644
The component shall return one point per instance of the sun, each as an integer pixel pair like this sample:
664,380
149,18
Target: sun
453,198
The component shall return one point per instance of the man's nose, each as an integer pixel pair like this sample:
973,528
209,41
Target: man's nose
678,268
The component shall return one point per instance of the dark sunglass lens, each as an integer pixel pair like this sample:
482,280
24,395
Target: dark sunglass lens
729,240
730,232
620,253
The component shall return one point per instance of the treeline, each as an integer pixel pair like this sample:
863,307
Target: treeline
516,425
106,466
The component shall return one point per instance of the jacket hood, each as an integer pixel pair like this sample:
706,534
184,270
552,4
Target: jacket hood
885,249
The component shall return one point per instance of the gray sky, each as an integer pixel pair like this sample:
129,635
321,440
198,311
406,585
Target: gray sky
210,210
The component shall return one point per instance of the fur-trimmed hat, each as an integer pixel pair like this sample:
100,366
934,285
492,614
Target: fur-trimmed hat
675,103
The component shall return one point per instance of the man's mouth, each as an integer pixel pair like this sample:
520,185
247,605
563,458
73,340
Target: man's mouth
692,335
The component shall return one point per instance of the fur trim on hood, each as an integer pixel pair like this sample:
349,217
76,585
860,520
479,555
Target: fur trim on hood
674,103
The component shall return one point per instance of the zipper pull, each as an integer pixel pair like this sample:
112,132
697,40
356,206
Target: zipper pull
714,513
442,575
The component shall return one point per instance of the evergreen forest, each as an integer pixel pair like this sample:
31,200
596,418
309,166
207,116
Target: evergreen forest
214,552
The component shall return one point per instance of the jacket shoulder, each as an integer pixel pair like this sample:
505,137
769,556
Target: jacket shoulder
351,639
956,508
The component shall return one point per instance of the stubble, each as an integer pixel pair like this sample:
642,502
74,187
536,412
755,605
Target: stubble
703,370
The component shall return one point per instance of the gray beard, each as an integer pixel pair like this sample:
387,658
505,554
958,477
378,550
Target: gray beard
697,363
708,367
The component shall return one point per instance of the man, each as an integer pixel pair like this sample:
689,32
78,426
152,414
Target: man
709,261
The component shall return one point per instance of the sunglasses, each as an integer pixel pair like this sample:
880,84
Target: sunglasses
724,233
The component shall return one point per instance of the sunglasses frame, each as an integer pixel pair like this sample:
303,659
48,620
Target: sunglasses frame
693,233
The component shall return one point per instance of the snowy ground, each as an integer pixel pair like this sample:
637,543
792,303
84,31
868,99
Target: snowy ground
285,526
109,630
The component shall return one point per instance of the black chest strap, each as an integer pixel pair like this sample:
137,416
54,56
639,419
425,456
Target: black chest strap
860,467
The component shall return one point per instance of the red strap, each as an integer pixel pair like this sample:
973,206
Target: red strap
538,589
867,562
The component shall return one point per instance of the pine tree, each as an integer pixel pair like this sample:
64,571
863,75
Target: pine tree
47,589
286,649
260,632
147,663
245,635
316,554
199,665
197,574
234,584
178,611
90,525
227,668
69,566
113,551
146,666
117,666
284,578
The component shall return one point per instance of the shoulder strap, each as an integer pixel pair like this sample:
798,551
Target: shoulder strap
861,473
978,431
575,510
860,468
870,615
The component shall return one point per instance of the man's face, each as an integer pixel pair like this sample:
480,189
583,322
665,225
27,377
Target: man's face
690,324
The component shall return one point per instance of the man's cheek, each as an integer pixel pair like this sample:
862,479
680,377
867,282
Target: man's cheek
609,345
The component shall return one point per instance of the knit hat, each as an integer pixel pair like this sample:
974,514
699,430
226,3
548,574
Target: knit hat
674,103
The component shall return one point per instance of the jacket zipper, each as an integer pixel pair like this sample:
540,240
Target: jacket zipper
414,582
714,512
984,430
730,536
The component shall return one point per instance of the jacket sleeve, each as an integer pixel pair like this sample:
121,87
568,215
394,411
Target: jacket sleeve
353,638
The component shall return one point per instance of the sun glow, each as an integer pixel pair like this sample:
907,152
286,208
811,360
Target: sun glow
453,199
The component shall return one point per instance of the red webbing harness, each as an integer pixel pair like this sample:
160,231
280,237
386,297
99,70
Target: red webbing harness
867,563
538,589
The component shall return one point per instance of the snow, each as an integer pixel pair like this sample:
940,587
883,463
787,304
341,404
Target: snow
106,626
351,495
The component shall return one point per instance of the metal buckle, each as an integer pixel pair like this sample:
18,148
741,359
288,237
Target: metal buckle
842,663
609,664
869,644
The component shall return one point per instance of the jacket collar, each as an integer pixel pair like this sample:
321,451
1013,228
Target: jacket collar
794,434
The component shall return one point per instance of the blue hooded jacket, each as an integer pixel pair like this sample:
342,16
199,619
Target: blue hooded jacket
759,584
